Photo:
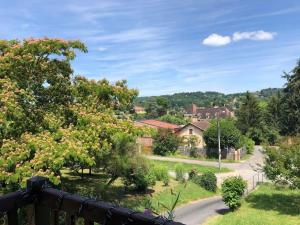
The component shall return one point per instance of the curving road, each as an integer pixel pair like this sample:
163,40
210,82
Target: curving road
197,212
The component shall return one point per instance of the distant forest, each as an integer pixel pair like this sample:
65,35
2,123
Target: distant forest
207,99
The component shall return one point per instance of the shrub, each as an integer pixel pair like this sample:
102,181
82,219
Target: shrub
138,173
161,174
165,143
208,181
192,174
179,170
232,191
194,152
248,143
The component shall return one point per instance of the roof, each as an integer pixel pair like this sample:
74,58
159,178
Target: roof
202,125
160,124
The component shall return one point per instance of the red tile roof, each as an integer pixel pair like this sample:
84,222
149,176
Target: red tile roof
160,124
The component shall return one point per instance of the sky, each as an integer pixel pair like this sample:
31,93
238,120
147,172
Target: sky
169,46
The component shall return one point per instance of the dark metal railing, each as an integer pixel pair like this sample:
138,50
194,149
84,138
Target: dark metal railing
49,202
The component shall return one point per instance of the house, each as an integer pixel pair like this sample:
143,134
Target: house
194,129
139,110
158,125
199,113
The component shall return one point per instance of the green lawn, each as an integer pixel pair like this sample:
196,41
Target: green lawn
180,156
94,186
188,167
269,205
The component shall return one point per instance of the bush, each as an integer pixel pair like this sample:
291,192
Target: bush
194,152
161,174
165,143
192,174
248,143
179,170
256,135
232,191
208,181
138,173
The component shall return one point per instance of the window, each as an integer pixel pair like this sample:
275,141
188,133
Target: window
190,131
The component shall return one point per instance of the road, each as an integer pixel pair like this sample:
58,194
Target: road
197,212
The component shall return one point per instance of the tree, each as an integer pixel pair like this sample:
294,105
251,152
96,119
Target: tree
49,120
156,107
274,111
165,143
230,135
38,71
290,116
283,163
250,114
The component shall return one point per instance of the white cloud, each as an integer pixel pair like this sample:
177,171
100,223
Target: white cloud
219,40
216,40
259,35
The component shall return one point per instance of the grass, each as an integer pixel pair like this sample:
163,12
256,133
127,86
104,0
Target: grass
94,187
180,156
188,167
269,205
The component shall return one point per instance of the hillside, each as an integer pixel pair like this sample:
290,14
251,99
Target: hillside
205,99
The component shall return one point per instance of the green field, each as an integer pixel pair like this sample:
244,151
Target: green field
188,167
269,205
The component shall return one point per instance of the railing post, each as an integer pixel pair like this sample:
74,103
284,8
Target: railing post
35,186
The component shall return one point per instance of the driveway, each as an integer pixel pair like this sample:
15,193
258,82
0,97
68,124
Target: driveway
197,212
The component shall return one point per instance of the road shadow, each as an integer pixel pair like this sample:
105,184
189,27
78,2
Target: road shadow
282,203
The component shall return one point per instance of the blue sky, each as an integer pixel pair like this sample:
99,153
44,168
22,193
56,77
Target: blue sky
168,46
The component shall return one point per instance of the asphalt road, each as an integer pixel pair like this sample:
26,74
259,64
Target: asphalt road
197,213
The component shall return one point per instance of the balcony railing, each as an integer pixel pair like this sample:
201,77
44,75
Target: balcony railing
49,202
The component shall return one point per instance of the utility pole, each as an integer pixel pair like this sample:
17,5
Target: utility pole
219,142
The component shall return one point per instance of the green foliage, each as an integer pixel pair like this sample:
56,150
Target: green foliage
179,120
165,143
232,191
248,143
180,173
290,102
272,136
139,174
230,135
156,107
274,110
184,100
250,114
283,163
256,135
207,180
192,173
48,120
161,174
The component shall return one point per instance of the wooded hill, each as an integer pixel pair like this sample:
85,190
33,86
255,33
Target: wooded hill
206,99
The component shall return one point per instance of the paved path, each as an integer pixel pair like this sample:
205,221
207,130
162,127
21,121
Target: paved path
197,213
